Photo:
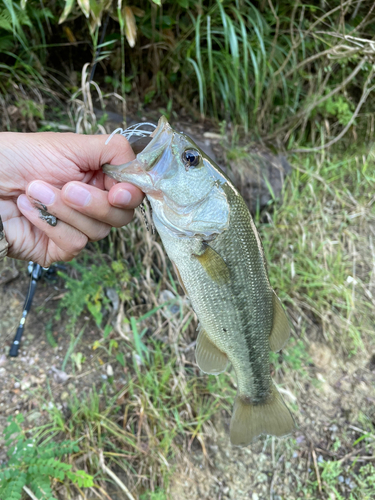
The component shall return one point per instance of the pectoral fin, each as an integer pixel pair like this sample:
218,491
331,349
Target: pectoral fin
209,358
214,265
280,327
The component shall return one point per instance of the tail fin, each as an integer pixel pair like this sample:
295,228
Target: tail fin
249,421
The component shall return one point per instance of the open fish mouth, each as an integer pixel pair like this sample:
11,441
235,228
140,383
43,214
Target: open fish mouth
159,140
148,151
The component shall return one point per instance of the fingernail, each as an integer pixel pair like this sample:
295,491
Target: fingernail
77,195
122,198
40,192
23,202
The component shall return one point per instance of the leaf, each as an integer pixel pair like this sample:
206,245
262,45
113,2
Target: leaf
107,331
81,478
130,26
67,10
157,2
121,359
84,6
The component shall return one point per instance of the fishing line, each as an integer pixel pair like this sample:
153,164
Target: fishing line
134,130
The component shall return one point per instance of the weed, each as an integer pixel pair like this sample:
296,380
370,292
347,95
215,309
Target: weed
35,464
89,291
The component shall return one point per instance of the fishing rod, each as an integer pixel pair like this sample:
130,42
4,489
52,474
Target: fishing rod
36,272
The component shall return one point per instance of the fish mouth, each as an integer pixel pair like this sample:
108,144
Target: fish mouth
148,152
161,138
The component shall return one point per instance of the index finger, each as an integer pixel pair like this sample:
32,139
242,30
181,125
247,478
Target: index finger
125,195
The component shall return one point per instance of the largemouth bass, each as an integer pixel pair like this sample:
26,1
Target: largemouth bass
211,239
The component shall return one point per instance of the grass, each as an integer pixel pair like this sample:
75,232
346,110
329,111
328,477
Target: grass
318,237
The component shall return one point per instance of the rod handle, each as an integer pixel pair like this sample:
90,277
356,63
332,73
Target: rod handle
13,351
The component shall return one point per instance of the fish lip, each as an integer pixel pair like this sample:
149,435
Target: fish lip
162,126
161,138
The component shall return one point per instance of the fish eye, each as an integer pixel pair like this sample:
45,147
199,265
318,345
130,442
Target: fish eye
191,158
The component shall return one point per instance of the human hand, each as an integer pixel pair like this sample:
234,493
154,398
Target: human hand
62,172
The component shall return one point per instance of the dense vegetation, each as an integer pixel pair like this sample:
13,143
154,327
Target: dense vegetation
284,70
295,74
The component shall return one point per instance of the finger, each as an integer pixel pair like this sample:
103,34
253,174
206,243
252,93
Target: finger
109,182
124,194
98,180
68,239
95,152
50,197
94,203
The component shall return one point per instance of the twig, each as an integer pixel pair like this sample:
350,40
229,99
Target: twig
337,89
306,61
348,455
30,493
316,470
361,431
311,28
363,22
114,477
365,95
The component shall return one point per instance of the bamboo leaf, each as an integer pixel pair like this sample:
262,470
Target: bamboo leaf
67,10
130,26
84,6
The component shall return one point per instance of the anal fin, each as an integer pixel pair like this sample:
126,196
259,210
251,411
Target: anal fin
209,358
251,420
214,265
280,327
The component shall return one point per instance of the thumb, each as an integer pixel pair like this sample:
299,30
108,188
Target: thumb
92,152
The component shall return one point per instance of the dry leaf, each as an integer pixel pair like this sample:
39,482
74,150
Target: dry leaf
130,26
137,11
69,34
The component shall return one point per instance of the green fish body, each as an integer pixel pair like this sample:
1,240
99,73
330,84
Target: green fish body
209,235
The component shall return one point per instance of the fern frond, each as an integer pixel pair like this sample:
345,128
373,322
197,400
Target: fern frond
41,487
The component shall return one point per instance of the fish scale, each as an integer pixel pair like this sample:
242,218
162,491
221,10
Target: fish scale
209,235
